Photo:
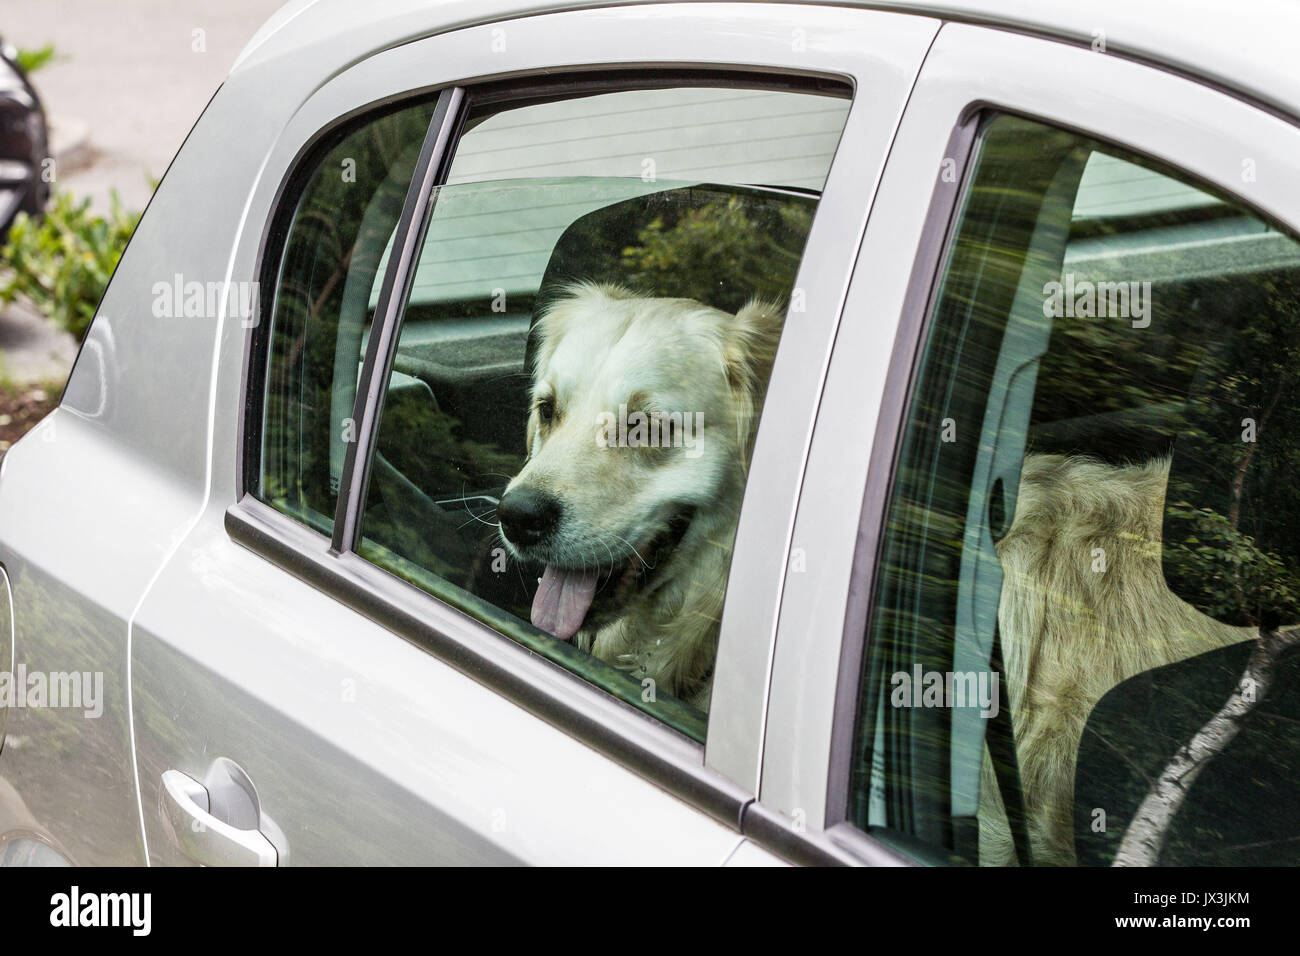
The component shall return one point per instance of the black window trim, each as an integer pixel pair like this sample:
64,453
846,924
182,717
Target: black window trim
635,740
372,387
840,844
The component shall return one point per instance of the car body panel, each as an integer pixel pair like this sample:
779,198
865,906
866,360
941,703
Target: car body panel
75,585
195,669
969,68
1249,50
367,748
125,458
364,748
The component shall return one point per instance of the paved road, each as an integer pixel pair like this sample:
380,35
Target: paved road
130,71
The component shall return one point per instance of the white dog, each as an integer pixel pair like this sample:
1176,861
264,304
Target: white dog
642,421
1071,631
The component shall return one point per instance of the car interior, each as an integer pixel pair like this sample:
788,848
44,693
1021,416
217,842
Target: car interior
543,189
1222,306
1229,550
1210,354
453,431
453,428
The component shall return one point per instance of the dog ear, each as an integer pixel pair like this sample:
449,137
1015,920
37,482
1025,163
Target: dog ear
751,343
749,350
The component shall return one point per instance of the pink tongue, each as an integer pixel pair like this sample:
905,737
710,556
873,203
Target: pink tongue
562,600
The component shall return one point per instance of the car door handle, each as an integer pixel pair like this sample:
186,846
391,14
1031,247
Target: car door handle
220,822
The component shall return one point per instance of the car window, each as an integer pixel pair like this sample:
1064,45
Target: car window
344,209
625,143
582,361
1082,646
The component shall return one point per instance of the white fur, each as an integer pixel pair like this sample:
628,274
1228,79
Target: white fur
1071,633
599,348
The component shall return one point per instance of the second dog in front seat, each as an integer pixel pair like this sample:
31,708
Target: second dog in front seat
1071,632
642,418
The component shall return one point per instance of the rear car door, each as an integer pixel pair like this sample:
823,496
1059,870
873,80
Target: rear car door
330,667
1013,188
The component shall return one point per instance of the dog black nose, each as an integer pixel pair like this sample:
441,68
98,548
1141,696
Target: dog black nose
527,515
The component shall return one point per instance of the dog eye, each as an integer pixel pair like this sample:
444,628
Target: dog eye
545,411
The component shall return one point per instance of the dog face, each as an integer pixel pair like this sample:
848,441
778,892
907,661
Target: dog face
639,430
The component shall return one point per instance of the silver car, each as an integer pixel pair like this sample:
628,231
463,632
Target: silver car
256,607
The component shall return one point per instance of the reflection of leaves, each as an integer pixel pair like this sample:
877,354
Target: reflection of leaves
686,258
1233,509
1224,573
430,447
426,447
347,210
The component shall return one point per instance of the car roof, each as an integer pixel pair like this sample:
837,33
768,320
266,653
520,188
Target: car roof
1246,48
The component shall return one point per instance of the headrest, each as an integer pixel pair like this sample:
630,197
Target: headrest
720,245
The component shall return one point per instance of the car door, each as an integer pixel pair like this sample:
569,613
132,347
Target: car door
818,799
294,701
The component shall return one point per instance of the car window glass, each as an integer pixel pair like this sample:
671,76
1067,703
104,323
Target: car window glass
623,144
1082,648
344,211
581,366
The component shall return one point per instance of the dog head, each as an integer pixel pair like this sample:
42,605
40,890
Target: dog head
642,417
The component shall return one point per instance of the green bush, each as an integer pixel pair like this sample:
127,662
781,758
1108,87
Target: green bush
31,60
62,261
686,257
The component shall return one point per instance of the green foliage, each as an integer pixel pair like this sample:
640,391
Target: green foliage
62,261
30,61
686,258
1226,571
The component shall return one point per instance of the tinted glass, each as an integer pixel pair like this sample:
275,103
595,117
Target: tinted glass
334,249
1087,564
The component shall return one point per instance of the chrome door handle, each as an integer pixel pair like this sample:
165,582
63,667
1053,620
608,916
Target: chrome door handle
219,822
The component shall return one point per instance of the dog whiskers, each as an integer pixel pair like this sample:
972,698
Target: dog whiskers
643,561
473,517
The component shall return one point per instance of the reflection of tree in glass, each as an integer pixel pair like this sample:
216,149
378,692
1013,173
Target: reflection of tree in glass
1234,557
427,458
1233,508
344,216
723,241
